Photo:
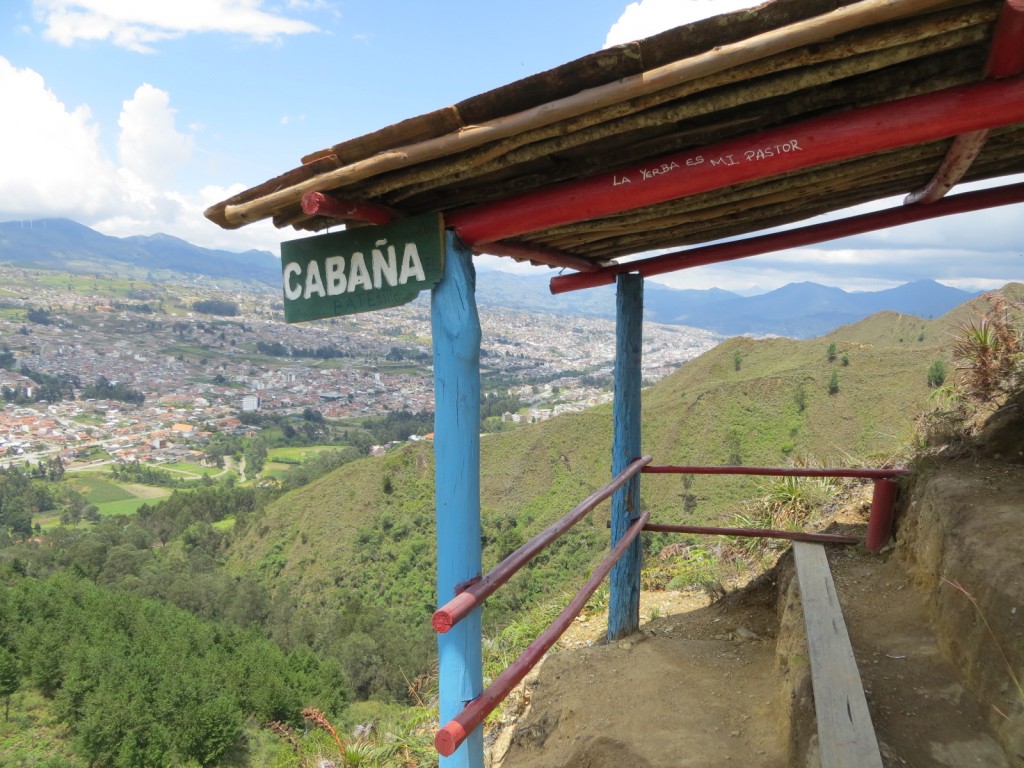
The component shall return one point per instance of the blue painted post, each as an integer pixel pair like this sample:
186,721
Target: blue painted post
624,604
456,333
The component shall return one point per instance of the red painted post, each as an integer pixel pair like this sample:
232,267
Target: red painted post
1007,55
883,501
454,732
462,604
830,138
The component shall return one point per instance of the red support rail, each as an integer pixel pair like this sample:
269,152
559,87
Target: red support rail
882,502
763,533
793,238
455,731
462,604
777,471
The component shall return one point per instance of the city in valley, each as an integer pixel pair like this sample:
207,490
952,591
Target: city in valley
204,357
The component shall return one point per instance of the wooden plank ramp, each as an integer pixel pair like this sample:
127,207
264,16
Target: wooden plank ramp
845,734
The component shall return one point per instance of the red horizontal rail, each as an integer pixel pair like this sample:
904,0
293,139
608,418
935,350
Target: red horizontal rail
776,471
455,731
762,533
462,604
820,140
794,238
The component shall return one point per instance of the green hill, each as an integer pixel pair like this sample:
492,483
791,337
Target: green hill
365,532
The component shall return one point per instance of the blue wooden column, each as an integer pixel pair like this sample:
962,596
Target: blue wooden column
624,604
456,334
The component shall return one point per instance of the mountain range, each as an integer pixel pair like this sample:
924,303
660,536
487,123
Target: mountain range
65,245
797,310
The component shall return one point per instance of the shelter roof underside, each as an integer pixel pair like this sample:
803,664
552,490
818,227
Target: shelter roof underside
696,87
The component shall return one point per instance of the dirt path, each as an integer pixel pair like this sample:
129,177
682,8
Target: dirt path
703,686
647,701
922,713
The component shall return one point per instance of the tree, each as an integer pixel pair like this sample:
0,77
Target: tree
833,383
936,374
832,352
10,679
800,398
737,359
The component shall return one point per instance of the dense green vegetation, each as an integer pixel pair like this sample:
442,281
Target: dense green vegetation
216,307
105,389
140,683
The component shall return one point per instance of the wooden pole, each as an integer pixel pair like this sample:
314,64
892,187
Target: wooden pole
456,332
624,603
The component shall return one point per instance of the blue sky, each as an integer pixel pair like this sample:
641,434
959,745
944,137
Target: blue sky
132,116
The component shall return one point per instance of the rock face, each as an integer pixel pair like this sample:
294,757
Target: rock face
962,538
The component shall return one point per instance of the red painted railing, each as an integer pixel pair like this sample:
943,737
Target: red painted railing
454,732
873,474
883,500
756,533
474,594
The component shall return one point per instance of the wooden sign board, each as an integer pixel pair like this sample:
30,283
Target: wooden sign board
363,269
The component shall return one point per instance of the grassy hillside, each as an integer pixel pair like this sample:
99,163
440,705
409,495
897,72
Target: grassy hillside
368,527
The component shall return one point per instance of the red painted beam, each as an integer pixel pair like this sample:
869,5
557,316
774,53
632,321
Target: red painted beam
757,533
319,204
831,138
454,732
794,238
462,604
669,469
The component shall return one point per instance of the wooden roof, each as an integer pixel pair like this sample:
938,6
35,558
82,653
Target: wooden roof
701,86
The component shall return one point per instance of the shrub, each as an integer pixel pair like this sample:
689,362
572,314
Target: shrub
936,374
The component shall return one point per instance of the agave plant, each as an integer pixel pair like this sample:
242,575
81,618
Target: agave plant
989,351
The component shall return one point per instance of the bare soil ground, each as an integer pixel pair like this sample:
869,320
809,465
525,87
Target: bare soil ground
720,685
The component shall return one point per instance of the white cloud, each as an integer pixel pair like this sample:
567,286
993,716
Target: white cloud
149,145
53,165
137,24
50,155
648,17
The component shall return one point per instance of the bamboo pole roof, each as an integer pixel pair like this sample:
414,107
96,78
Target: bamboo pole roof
738,75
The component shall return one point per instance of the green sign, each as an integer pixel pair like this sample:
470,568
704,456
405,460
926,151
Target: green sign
363,269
